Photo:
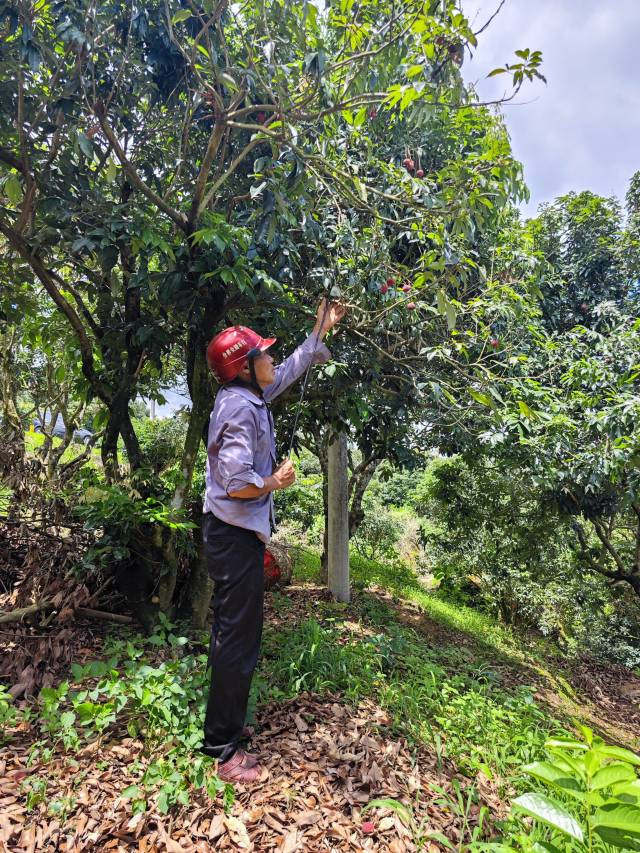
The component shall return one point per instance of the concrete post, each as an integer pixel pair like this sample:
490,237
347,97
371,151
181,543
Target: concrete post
338,550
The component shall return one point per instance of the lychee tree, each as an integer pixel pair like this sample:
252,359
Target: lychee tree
157,158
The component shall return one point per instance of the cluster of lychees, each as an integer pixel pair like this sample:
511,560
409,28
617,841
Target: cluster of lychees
405,288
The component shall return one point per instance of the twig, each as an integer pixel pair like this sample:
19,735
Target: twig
90,613
21,612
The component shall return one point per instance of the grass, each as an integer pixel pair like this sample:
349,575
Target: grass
402,582
35,440
435,696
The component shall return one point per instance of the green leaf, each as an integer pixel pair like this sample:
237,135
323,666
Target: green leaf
525,410
549,812
386,803
442,839
479,397
111,172
133,791
13,189
450,313
627,791
611,774
565,743
86,146
181,15
621,753
618,816
496,71
67,719
556,776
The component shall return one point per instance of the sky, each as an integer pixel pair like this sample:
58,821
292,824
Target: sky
582,130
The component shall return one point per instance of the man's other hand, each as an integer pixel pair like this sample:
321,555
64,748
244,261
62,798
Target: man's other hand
284,475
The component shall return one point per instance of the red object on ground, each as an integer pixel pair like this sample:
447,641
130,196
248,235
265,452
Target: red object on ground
227,352
368,826
272,571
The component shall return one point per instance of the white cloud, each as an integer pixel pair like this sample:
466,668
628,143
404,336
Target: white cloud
581,130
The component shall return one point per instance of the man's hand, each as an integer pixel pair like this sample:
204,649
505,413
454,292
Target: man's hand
283,476
327,316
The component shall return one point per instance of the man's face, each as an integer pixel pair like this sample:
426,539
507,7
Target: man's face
265,370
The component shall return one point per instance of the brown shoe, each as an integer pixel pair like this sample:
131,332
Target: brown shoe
240,768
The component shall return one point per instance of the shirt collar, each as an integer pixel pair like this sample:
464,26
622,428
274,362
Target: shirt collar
246,393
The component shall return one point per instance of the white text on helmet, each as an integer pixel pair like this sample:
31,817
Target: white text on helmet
232,349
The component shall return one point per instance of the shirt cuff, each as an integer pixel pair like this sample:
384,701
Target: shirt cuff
242,479
321,352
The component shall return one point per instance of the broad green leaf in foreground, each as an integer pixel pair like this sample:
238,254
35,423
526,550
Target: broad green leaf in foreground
555,775
611,775
624,817
549,812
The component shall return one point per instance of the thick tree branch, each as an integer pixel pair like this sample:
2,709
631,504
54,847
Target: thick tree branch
207,161
49,281
179,218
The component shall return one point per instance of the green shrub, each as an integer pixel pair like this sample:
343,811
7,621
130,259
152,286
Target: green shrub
379,532
161,703
161,441
595,801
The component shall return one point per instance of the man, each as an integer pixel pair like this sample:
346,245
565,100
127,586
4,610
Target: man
238,519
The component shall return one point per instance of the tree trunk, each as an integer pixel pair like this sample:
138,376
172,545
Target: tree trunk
358,483
338,527
199,587
202,403
320,439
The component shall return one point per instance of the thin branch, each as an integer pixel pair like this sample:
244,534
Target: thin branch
179,218
495,14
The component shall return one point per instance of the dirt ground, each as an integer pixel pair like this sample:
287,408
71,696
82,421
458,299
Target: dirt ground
323,762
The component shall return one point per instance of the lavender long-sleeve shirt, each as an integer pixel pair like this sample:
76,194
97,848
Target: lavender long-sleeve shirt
241,448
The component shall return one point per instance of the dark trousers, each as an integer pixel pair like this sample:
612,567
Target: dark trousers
235,560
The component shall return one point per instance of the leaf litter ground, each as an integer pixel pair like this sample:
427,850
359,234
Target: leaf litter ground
324,760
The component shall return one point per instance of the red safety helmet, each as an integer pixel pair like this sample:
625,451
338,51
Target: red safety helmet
230,348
